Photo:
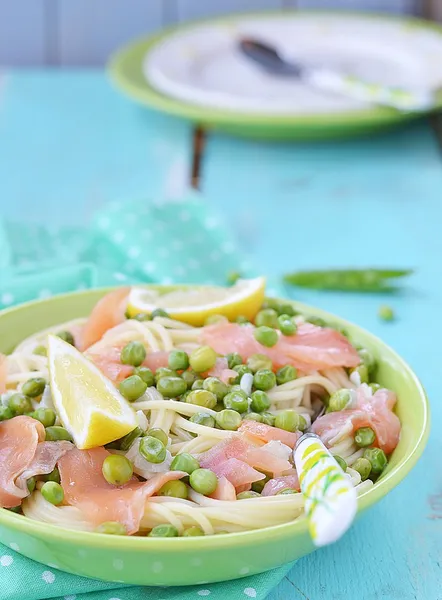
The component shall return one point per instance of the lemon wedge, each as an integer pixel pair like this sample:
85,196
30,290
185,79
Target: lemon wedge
194,305
88,405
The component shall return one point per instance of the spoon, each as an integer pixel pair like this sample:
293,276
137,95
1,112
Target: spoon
329,80
330,497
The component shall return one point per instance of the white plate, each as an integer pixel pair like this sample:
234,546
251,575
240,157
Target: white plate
201,65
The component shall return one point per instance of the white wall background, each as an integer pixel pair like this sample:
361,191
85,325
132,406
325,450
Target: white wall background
85,32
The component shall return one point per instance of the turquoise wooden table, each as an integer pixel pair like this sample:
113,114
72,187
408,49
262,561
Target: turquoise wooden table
69,143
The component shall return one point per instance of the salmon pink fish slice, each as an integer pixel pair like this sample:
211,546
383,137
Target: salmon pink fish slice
273,486
109,363
267,433
224,490
107,313
312,347
222,371
23,454
237,472
85,487
156,360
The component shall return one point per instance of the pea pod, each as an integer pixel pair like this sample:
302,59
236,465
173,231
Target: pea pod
347,280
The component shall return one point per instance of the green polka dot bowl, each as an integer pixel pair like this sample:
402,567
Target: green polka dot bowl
197,560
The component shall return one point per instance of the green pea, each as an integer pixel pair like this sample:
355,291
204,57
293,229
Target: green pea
228,419
146,375
183,397
56,433
40,351
286,374
152,449
247,495
267,318
242,320
203,481
236,401
266,336
216,386
126,441
377,459
364,436
66,336
260,401
111,528
34,387
362,372
256,362
52,492
160,312
286,325
31,483
198,384
214,319
340,400
184,462
46,416
286,491
241,370
258,486
20,404
367,359
374,387
233,359
386,313
286,309
165,530
171,387
132,388
159,434
289,420
164,372
341,462
5,413
52,476
202,359
178,360
142,317
202,398
189,377
174,489
268,418
133,354
264,380
317,321
253,416
193,531
117,469
203,419
363,467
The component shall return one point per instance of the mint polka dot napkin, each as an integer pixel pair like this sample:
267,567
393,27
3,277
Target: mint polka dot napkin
179,241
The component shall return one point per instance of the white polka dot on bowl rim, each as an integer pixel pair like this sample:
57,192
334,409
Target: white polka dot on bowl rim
53,566
203,592
196,562
6,560
157,567
82,553
114,599
72,597
14,546
250,592
48,576
7,298
244,571
118,564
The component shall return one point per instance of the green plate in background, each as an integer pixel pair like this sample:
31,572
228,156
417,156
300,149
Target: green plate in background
126,69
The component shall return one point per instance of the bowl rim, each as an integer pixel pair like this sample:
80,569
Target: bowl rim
244,538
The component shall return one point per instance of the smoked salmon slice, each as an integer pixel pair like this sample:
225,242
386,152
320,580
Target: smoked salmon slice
107,313
311,349
23,454
85,487
278,484
267,433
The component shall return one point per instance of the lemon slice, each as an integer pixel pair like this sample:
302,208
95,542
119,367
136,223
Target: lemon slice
194,305
88,405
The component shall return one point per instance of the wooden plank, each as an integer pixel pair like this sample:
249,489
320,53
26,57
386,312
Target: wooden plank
195,9
90,31
81,145
366,202
22,32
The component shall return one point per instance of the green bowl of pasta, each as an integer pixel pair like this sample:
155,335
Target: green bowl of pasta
261,537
